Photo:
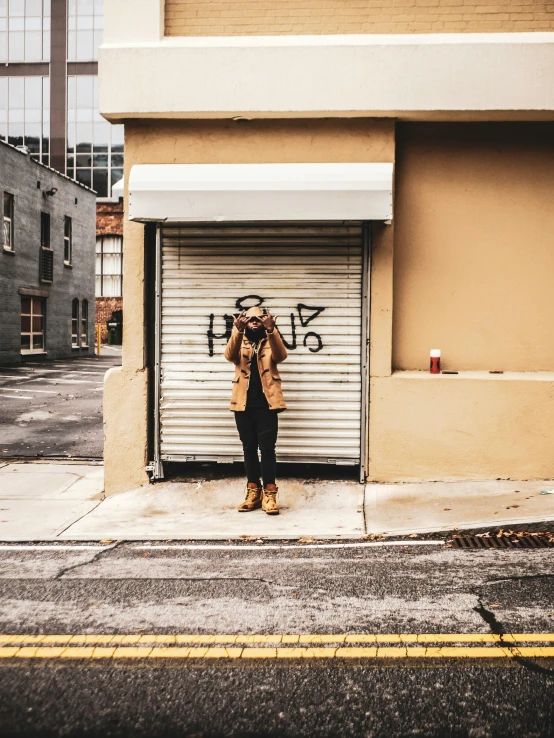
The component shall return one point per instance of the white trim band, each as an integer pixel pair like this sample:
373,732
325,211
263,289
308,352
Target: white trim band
355,75
260,192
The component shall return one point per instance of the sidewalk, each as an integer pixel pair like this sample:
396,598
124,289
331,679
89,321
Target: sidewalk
44,501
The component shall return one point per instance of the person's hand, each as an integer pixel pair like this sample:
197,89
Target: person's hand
240,321
268,321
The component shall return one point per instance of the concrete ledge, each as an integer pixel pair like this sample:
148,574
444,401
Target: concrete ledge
68,505
477,375
40,501
460,428
406,75
207,510
400,509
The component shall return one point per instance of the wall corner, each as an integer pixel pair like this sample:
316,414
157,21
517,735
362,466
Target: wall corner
380,354
125,430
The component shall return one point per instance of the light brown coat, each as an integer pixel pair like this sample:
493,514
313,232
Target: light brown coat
271,351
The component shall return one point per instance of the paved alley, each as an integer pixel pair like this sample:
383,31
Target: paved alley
54,409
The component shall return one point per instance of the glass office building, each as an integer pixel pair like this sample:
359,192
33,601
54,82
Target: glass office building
49,89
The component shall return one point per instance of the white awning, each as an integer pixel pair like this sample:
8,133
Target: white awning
260,192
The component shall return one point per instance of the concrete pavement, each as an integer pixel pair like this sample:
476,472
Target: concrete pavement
41,501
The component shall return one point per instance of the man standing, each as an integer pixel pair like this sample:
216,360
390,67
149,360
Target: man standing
255,348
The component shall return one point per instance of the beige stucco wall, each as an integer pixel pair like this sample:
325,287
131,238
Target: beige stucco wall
473,259
259,17
168,142
470,426
473,265
474,254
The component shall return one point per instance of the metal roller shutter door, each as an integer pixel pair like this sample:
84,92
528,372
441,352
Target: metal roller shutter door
311,277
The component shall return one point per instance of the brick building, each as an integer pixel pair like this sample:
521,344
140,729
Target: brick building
109,262
47,305
381,174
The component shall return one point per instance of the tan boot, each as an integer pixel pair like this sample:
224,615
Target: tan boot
269,500
253,499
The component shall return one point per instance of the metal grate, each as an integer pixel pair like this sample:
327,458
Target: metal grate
46,265
529,540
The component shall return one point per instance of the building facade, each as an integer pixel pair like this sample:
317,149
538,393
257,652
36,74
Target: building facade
49,103
47,307
380,174
49,89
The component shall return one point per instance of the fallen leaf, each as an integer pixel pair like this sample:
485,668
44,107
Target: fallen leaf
305,540
447,508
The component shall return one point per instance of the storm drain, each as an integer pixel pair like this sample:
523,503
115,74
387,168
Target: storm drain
529,540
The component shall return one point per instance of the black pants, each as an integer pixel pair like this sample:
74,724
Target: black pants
257,427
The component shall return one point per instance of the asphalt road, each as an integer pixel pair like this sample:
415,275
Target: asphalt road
53,409
129,589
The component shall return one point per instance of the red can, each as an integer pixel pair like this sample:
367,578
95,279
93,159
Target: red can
435,361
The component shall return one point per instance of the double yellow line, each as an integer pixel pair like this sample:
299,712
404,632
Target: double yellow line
292,646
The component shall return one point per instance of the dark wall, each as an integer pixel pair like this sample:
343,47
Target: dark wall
20,176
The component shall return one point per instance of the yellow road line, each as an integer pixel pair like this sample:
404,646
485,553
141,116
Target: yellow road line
217,652
278,646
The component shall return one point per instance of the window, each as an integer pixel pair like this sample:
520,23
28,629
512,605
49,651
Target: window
109,266
24,31
7,238
75,323
46,262
67,241
85,22
25,113
94,147
32,324
44,231
84,324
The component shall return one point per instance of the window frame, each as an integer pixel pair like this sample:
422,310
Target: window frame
99,256
10,198
45,231
84,324
31,332
75,323
67,240
45,248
